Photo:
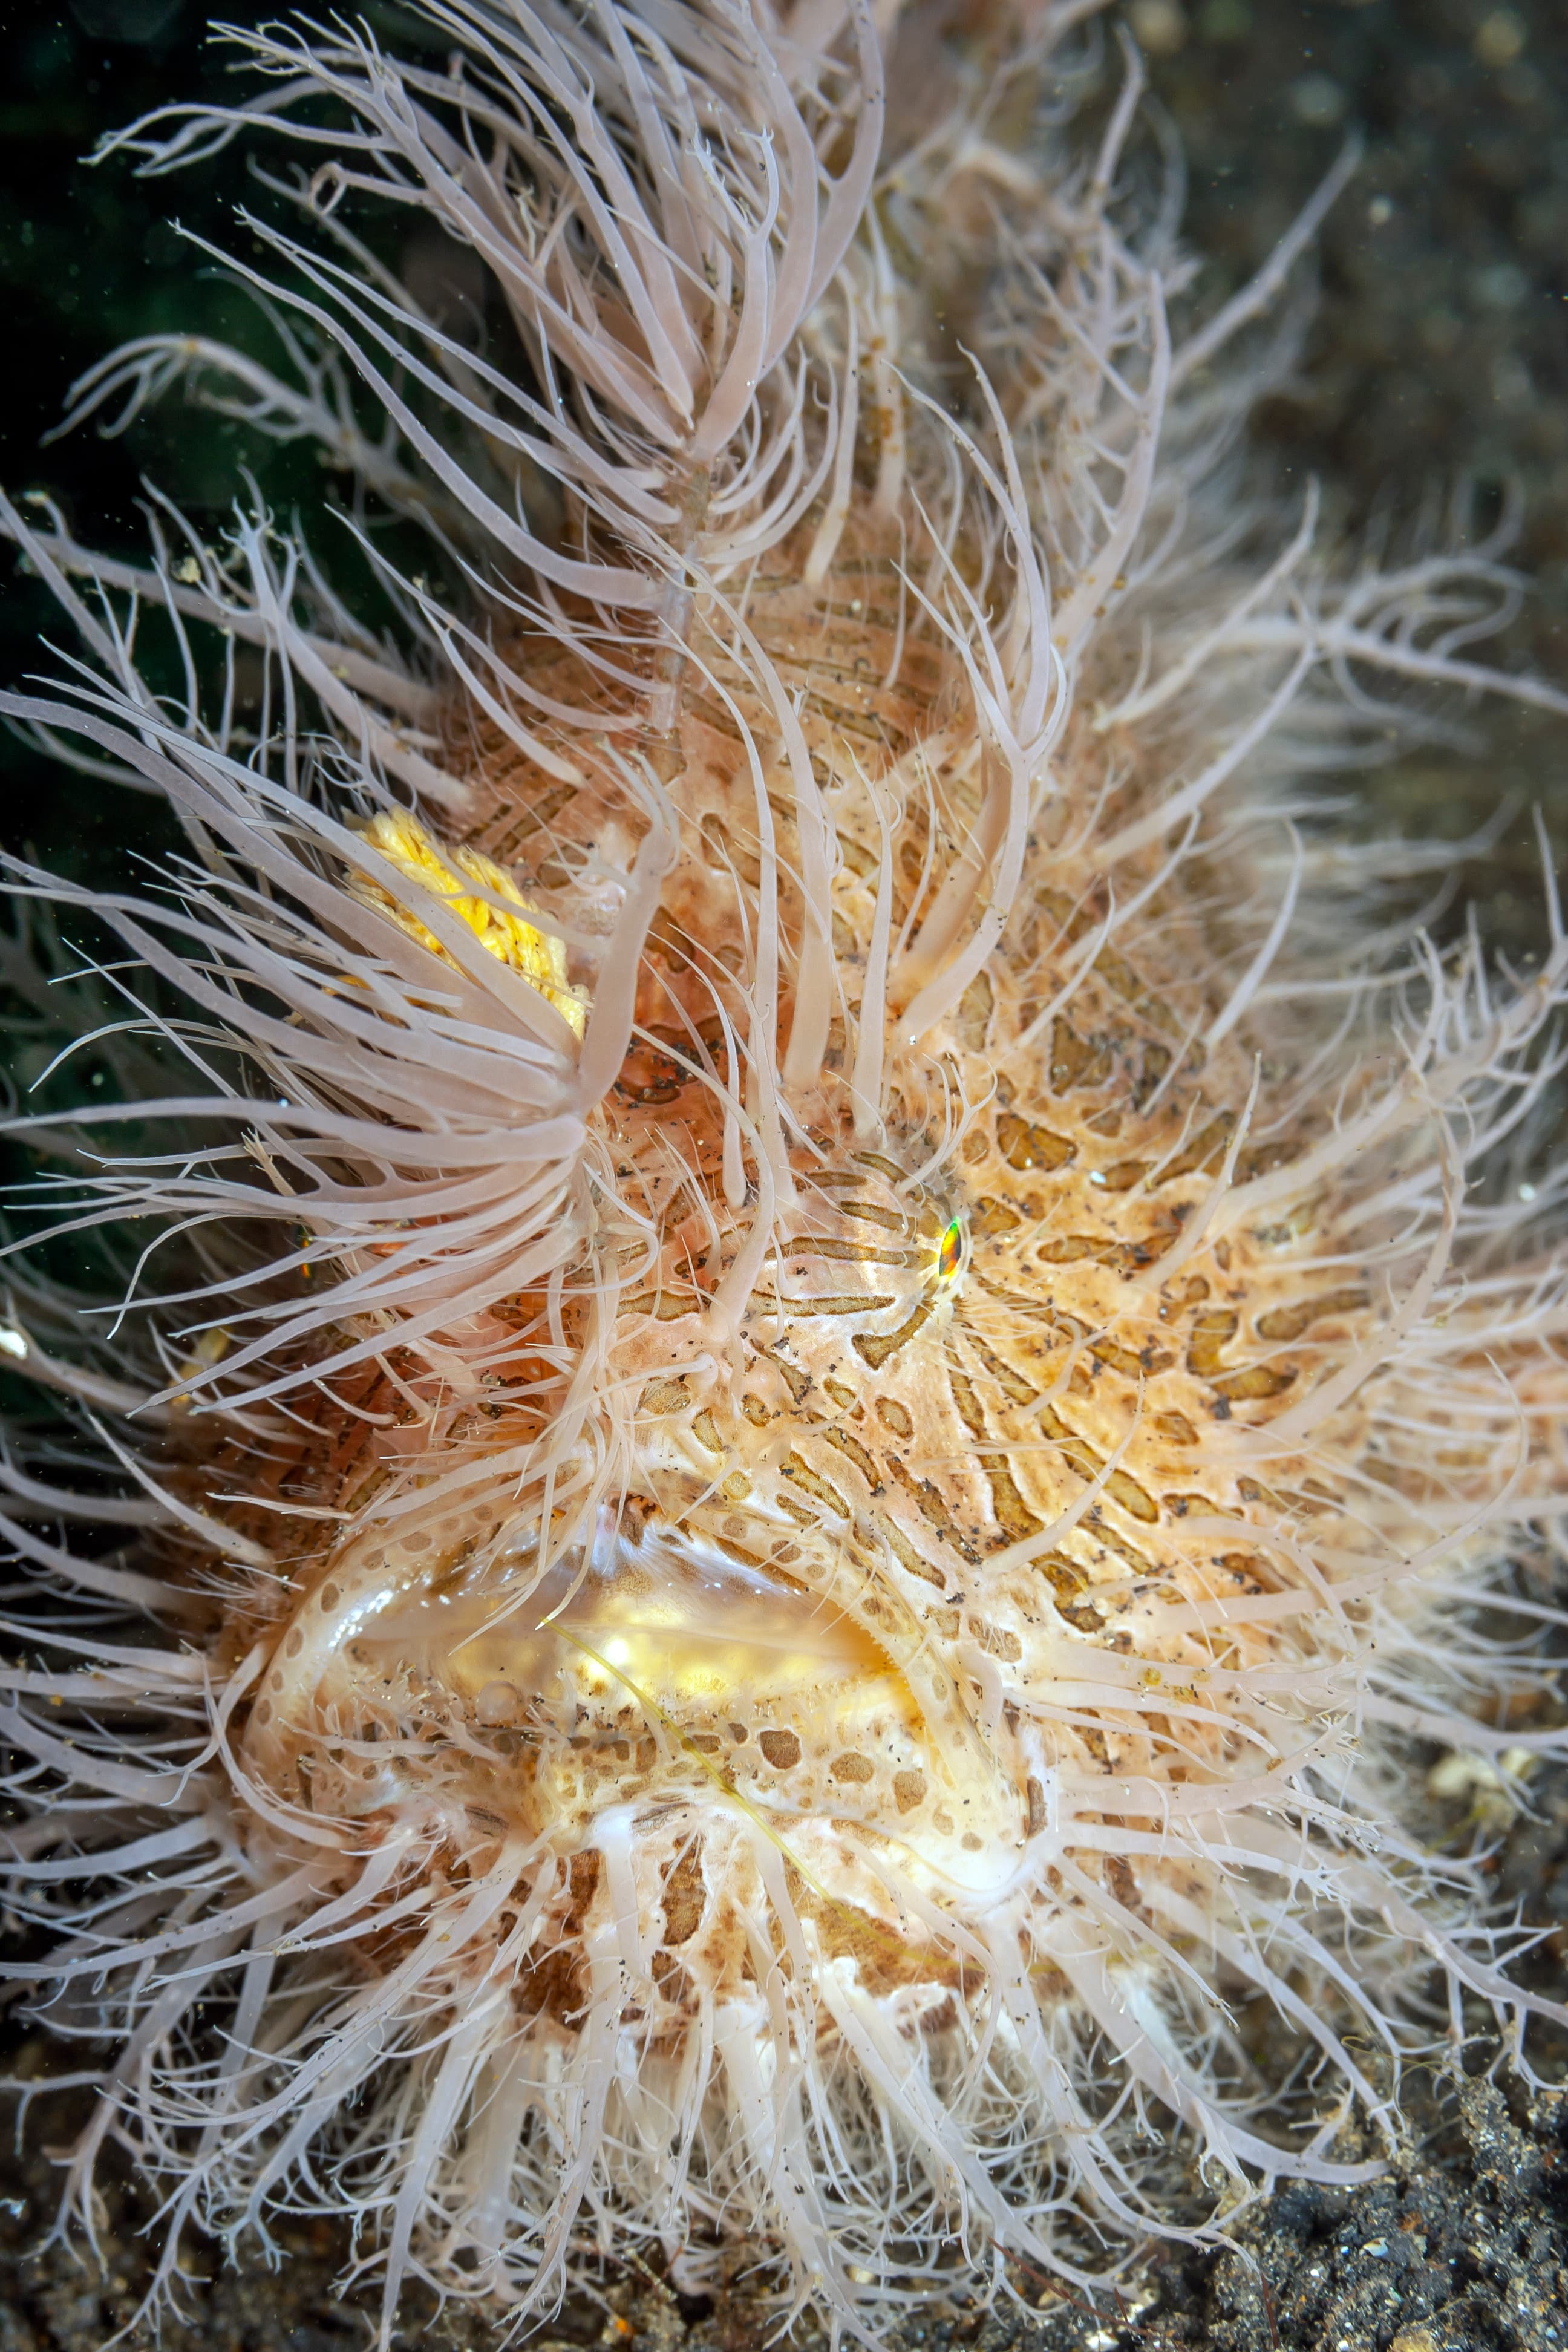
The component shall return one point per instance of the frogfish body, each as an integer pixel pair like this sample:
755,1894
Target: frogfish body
850,1333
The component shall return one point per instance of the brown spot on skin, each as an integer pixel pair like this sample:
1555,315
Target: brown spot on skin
851,1448
684,1896
724,850
1154,1061
1290,1322
839,1302
908,1791
1119,1485
1251,1571
1204,1151
1267,1158
1065,1577
1175,1429
705,1430
968,1403
908,1556
1181,1504
895,1416
1071,1249
852,1253
852,1768
891,1220
583,1879
727,1543
877,1346
782,1749
672,1981
1120,1879
1254,1384
1015,1519
555,1986
665,1396
648,1075
973,1018
928,1501
797,1383
998,1643
1025,1144
818,1487
1133,1498
1074,1061
858,860
1212,1333
1012,1384
990,1219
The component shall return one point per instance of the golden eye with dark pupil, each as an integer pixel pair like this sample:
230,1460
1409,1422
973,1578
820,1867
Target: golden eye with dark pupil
950,1251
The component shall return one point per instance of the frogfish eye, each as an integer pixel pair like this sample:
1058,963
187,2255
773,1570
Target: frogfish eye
950,1251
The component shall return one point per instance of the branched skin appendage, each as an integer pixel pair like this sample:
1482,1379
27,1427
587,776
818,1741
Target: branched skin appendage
865,1334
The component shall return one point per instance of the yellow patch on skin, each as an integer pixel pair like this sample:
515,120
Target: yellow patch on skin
536,956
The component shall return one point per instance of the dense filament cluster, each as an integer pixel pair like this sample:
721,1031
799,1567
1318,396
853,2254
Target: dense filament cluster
830,1342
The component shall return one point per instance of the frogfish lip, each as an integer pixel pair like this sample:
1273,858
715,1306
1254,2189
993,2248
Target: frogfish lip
675,1623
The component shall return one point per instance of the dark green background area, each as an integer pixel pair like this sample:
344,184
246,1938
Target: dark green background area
91,257
1439,352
